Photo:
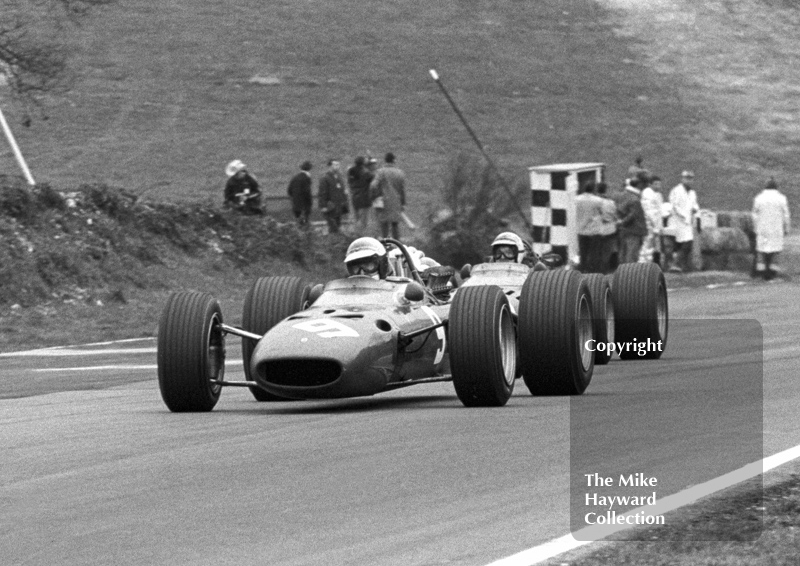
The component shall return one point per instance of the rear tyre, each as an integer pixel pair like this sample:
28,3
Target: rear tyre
191,352
555,323
483,346
267,302
602,315
641,308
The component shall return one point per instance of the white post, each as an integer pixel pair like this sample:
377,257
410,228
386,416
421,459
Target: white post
15,149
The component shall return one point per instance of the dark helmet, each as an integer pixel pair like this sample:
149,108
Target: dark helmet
367,256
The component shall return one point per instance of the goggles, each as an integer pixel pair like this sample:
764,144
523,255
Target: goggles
505,253
366,266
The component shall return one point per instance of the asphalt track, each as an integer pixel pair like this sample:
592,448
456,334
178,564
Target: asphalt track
95,470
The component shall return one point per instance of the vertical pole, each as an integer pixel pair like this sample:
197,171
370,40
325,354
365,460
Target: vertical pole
15,149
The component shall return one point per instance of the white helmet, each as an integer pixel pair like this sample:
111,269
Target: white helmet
367,256
234,167
508,239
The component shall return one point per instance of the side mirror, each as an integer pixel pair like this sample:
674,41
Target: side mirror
314,294
552,259
466,271
414,292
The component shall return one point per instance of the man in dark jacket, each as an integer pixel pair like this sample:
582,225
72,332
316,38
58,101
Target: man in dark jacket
388,195
358,179
331,196
632,226
300,192
242,192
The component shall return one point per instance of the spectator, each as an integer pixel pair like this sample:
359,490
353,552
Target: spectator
608,242
242,192
332,198
388,196
300,192
589,221
681,220
771,222
359,179
652,203
632,226
636,170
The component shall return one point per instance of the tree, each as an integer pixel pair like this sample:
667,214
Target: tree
33,33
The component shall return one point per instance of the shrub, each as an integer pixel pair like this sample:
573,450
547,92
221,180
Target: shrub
476,205
16,200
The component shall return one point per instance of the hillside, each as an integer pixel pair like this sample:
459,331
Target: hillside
166,93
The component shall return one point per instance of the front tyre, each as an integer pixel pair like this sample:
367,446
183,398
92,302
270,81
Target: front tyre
555,325
191,352
641,310
267,302
483,346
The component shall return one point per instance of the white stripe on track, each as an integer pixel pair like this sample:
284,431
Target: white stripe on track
49,350
119,367
553,548
60,352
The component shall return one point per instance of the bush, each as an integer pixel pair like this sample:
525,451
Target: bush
16,200
476,207
52,242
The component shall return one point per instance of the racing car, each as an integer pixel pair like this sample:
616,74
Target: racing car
361,336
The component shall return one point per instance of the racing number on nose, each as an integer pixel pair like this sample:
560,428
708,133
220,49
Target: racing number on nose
439,334
326,328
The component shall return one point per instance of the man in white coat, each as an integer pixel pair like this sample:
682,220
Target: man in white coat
681,221
771,222
652,203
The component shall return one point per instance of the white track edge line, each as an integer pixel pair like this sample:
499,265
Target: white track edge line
560,545
118,367
57,348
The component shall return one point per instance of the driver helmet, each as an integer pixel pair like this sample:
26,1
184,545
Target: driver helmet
508,247
367,256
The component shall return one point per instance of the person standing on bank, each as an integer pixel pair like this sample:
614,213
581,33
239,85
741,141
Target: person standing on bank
359,179
388,196
242,192
300,192
681,220
632,227
608,237
771,222
589,221
652,203
331,196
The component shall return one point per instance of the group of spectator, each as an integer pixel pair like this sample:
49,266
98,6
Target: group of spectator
633,224
365,187
636,223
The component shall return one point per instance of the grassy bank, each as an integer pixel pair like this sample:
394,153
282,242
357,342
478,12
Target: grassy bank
165,94
97,263
746,524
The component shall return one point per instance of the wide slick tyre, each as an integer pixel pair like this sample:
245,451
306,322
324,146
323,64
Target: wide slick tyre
267,302
641,309
483,346
602,315
554,325
191,352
